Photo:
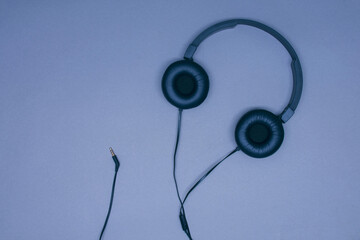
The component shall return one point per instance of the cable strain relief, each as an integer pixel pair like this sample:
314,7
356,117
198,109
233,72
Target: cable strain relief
117,163
183,222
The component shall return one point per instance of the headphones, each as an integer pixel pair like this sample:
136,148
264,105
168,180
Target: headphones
259,133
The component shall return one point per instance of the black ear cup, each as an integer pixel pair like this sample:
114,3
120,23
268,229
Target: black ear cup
259,133
185,84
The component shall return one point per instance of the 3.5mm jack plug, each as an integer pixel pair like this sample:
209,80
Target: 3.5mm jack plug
116,161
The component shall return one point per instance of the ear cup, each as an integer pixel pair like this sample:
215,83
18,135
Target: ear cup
185,84
259,133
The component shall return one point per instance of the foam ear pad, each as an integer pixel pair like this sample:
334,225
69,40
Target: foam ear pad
185,84
259,133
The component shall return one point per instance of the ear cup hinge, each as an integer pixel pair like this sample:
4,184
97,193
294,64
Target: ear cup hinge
190,51
286,114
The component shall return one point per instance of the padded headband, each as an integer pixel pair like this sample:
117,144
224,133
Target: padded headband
295,63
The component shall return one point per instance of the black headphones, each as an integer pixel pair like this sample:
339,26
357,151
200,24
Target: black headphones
259,133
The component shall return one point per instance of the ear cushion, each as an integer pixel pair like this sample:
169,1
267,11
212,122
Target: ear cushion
259,133
185,84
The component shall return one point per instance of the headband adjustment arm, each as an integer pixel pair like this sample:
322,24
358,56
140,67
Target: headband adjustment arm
286,114
190,52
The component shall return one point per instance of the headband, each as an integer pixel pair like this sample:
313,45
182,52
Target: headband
295,63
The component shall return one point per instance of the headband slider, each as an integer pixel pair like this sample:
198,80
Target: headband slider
286,114
190,52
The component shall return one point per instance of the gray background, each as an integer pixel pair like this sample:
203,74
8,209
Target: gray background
80,76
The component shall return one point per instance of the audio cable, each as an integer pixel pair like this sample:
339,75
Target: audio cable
117,165
182,215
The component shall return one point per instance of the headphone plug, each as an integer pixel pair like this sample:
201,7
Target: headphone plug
116,161
117,165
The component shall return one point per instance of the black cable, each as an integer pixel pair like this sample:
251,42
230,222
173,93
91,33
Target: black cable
175,152
117,165
208,172
182,214
182,211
